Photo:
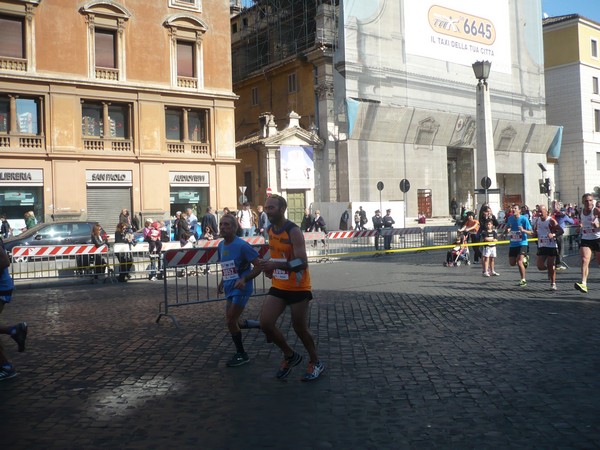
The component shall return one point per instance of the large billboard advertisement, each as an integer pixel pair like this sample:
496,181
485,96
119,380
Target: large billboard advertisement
459,31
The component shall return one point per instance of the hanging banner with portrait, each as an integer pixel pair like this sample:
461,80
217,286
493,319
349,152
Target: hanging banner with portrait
297,167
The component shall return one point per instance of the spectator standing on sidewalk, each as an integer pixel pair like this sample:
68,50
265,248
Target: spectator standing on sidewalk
245,220
388,224
471,229
6,229
263,223
239,265
318,226
489,235
209,220
19,331
357,220
377,226
291,287
307,221
192,221
363,218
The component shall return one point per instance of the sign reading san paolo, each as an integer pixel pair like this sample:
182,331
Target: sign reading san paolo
460,31
108,177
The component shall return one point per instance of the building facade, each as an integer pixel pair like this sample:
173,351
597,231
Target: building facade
282,53
395,98
572,60
109,104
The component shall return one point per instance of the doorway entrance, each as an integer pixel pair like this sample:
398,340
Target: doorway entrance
424,202
296,201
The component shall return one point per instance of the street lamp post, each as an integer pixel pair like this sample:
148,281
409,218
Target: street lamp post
485,159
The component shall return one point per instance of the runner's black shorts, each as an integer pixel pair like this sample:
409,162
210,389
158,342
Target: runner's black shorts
594,244
291,297
513,252
547,251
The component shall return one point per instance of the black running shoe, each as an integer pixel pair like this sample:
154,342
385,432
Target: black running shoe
20,335
6,373
238,359
287,364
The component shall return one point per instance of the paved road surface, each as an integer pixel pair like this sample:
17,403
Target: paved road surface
417,356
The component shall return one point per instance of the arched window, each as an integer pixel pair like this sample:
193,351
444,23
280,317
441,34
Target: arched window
187,66
106,39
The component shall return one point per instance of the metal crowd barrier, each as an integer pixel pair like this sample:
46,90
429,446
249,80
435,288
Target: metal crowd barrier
88,262
183,290
107,264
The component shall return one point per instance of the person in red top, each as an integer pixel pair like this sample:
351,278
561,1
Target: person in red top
288,268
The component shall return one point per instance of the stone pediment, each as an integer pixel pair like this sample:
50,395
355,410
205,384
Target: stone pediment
288,136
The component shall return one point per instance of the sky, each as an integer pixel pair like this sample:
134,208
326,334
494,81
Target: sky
586,8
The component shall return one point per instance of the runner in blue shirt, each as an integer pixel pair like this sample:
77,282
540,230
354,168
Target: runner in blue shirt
237,258
518,228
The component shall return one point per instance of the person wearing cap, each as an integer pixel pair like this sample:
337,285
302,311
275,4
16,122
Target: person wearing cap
388,222
377,226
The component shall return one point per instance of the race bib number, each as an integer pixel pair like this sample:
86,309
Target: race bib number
516,236
280,274
590,230
545,241
229,271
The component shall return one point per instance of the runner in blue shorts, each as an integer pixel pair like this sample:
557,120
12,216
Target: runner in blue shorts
518,229
239,263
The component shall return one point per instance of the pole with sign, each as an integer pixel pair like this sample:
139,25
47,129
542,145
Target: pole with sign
242,198
404,187
486,183
380,186
269,192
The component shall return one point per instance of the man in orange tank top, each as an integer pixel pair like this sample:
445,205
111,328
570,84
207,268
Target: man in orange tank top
288,269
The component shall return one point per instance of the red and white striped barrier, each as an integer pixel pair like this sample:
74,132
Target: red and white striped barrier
350,234
213,243
58,250
197,256
190,257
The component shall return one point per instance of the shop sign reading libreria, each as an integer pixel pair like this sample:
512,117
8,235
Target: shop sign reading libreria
21,177
189,179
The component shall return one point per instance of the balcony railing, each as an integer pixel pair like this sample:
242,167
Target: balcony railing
13,64
113,145
104,73
189,148
187,82
19,142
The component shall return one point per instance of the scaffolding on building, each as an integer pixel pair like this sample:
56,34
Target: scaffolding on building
271,31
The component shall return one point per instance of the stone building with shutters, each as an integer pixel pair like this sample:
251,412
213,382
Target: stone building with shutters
115,104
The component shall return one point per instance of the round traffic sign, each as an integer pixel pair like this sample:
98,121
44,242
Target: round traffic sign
242,199
380,185
404,185
486,182
269,192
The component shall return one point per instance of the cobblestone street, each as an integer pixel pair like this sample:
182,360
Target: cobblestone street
417,356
